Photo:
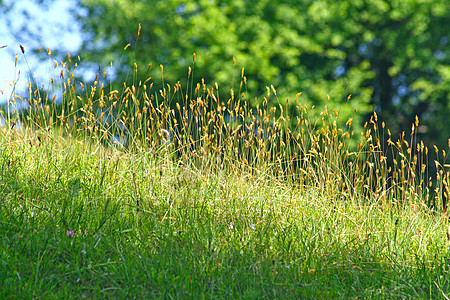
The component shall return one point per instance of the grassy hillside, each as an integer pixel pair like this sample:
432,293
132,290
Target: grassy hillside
177,194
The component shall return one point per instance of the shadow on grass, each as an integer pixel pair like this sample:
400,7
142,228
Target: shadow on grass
44,262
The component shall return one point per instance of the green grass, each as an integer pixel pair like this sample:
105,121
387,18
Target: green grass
143,227
307,209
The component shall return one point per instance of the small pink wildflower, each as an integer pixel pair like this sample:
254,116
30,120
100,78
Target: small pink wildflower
70,233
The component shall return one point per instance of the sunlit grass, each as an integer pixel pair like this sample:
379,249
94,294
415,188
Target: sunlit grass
184,191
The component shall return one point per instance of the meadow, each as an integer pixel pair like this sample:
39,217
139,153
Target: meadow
172,192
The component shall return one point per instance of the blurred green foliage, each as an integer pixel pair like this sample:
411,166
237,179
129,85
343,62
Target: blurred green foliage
391,55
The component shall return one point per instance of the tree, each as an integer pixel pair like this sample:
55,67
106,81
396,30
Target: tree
392,56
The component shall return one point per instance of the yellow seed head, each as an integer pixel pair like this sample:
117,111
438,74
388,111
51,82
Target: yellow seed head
436,149
273,90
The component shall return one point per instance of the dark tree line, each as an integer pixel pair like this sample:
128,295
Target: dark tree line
392,56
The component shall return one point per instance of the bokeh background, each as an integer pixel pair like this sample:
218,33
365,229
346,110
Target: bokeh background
392,57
